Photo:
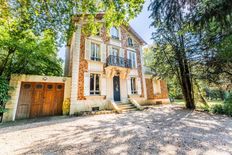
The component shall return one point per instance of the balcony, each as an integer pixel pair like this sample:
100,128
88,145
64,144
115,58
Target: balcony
118,61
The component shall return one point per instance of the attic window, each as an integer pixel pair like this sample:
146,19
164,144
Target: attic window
114,33
130,42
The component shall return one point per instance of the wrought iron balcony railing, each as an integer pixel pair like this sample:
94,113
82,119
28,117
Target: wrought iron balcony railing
118,61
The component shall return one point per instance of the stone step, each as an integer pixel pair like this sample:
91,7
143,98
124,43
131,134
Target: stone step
128,110
126,107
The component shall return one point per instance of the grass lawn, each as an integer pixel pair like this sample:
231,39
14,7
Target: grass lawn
199,105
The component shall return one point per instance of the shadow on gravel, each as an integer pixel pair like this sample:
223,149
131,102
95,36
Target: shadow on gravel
159,130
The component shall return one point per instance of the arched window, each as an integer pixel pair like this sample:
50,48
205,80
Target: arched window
129,42
114,33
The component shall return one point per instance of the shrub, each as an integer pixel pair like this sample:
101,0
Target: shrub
225,108
228,105
4,97
217,108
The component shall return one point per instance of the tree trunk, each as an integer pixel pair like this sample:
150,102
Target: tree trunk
185,79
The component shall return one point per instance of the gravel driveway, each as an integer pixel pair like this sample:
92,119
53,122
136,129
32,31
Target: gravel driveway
165,130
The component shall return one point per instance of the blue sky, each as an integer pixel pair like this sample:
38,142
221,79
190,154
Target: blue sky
141,25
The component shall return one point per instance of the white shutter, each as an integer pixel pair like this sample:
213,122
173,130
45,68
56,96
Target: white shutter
87,49
129,86
128,54
110,50
86,84
119,33
135,59
103,52
121,53
103,86
139,89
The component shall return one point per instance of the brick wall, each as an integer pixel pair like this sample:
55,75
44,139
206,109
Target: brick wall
83,66
164,91
124,36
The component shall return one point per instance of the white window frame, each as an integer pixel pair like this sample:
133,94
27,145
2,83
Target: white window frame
132,57
114,32
133,85
94,91
95,55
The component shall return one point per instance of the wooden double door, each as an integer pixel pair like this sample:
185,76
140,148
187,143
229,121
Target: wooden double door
40,99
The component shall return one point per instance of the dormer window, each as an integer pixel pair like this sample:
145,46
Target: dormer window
114,33
130,42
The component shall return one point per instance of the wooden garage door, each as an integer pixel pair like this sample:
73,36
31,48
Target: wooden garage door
40,99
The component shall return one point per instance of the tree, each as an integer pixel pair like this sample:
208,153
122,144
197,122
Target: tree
194,51
57,16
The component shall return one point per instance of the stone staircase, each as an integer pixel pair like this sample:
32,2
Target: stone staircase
126,107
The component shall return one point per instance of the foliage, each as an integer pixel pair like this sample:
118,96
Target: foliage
190,49
57,16
225,108
66,106
4,97
23,52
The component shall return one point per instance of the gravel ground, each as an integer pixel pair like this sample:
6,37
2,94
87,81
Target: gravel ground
167,129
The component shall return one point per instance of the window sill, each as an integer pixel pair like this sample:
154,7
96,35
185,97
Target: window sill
90,97
134,96
113,39
93,61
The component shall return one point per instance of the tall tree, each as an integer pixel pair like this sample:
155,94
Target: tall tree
170,18
193,49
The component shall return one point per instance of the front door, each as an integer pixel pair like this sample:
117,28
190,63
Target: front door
116,82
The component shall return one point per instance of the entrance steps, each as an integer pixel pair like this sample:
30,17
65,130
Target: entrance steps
126,107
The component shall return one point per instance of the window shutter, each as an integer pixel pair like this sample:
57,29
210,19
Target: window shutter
87,49
121,53
86,84
129,86
139,86
119,33
110,50
103,86
103,52
135,55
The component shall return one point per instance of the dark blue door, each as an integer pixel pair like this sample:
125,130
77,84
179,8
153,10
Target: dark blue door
116,83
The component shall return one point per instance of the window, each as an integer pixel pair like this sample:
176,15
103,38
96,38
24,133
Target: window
39,86
59,87
133,86
94,84
95,52
130,42
49,86
132,58
114,33
27,86
115,52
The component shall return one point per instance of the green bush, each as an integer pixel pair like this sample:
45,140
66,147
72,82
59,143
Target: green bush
217,109
228,105
4,97
225,108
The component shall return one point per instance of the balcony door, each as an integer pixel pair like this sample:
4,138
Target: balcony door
116,84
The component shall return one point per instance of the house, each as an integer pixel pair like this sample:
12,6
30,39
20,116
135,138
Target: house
109,69
101,72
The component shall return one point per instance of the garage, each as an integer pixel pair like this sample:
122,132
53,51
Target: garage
38,99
